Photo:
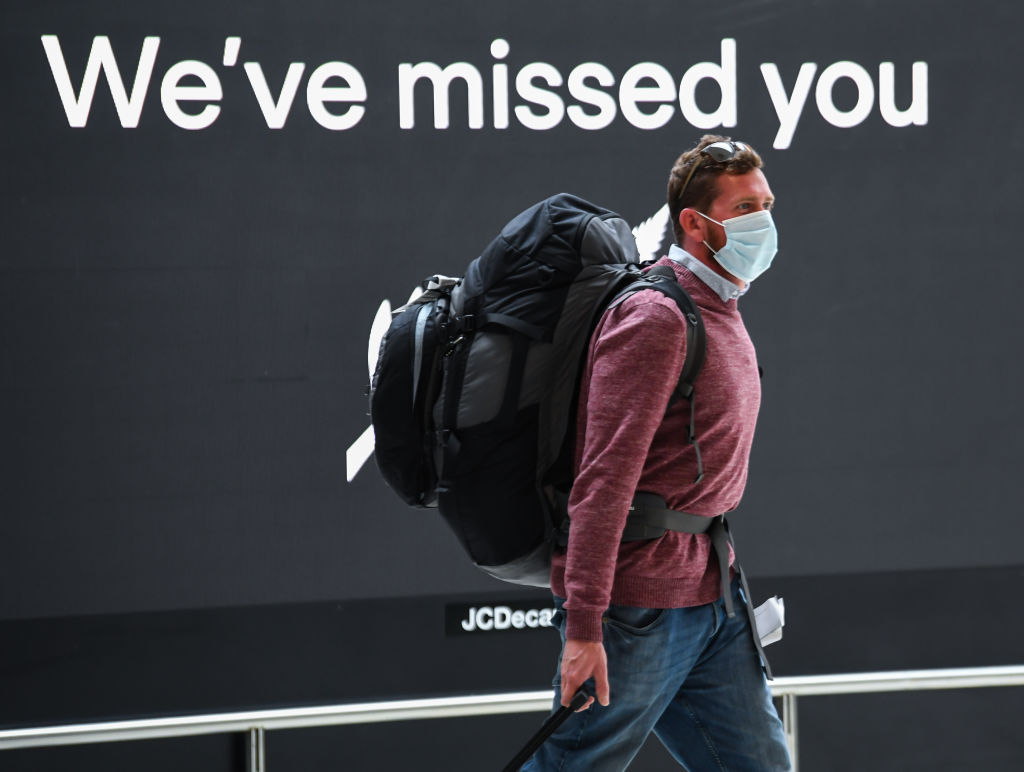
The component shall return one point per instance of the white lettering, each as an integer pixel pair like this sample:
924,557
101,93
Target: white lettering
317,93
647,93
724,75
844,119
631,93
529,92
499,82
788,109
409,74
171,93
101,57
917,113
488,618
231,48
275,113
580,91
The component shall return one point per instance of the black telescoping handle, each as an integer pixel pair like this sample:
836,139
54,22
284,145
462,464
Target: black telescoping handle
554,721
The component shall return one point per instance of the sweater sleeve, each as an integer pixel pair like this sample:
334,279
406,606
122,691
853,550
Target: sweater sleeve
635,358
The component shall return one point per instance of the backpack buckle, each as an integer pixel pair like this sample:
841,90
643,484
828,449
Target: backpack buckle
452,345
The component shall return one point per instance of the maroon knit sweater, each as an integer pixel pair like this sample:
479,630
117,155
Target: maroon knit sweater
626,442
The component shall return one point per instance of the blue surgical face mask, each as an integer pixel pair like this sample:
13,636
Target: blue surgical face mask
750,244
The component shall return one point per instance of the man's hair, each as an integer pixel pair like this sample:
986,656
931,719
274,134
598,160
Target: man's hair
703,186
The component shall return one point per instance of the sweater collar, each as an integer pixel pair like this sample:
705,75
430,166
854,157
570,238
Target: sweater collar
724,288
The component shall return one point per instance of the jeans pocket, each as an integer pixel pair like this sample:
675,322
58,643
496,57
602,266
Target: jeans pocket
633,619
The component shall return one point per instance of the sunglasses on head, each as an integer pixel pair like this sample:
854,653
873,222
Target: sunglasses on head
717,152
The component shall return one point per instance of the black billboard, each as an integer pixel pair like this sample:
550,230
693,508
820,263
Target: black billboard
208,211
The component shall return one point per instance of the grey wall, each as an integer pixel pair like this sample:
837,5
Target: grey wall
185,313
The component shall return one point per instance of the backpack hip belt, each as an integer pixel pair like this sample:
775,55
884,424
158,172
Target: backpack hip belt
649,518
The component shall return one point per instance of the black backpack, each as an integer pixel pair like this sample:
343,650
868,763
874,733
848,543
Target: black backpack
474,395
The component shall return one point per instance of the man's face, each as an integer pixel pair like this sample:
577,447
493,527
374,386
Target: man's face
738,194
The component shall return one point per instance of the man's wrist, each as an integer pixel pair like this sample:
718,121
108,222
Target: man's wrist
584,625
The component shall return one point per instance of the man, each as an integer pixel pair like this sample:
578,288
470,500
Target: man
644,623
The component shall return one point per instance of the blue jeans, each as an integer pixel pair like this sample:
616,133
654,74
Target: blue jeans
690,675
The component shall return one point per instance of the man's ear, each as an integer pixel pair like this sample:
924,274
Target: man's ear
693,225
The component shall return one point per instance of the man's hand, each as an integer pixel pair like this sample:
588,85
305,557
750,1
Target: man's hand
582,660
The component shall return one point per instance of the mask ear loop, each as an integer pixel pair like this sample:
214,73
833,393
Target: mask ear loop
711,249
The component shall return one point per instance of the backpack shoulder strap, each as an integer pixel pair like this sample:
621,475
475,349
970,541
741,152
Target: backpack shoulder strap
696,341
663,279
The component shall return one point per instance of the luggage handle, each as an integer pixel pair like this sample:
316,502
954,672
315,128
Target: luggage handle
554,721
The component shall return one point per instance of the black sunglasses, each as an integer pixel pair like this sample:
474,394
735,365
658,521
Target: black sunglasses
717,152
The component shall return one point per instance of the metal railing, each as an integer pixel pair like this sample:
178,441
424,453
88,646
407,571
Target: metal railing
258,722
